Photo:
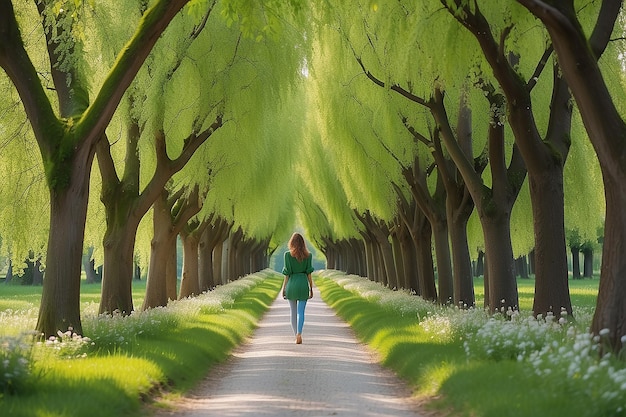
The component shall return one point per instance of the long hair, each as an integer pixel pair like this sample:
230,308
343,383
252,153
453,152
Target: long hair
297,247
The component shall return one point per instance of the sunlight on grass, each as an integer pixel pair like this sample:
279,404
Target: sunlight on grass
130,375
469,362
123,362
433,378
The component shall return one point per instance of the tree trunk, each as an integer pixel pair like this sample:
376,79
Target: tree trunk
389,264
412,217
521,267
380,232
218,263
434,209
190,282
60,298
426,269
611,303
156,285
607,131
480,264
459,203
205,261
499,251
463,282
210,256
9,275
233,260
551,277
398,260
171,270
409,255
191,235
170,214
494,210
89,266
330,253
406,253
486,282
544,160
587,262
91,275
575,262
444,266
119,245
37,272
370,258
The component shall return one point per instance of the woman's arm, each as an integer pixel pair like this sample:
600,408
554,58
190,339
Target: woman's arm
310,285
285,285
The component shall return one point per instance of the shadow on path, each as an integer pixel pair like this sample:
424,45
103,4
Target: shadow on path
330,374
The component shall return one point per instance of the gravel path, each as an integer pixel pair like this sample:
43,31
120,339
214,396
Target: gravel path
330,374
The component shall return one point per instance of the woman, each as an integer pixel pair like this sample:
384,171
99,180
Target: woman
298,286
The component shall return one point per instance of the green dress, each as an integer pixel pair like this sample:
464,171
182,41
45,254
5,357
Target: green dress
298,284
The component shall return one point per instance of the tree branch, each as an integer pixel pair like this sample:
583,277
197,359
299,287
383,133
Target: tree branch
193,142
532,81
381,83
105,163
96,118
19,68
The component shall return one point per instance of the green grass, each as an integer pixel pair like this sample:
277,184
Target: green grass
583,292
23,297
166,360
448,380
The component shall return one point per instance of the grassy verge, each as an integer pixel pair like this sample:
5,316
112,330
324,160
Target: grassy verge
128,360
467,363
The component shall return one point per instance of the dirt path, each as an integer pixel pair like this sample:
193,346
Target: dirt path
330,374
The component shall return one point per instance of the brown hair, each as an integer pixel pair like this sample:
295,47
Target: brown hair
297,247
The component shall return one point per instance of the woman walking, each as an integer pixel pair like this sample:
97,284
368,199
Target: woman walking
298,286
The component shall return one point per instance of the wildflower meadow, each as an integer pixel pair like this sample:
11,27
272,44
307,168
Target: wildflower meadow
122,362
507,364
458,361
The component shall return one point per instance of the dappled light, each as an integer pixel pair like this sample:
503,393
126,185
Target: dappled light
456,168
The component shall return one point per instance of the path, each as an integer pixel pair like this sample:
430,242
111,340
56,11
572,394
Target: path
330,374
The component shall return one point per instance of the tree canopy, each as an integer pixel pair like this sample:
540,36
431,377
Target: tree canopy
280,115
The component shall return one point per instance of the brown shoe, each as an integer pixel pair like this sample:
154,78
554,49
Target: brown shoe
298,339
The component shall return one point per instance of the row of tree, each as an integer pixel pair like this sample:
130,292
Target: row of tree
390,130
474,104
87,81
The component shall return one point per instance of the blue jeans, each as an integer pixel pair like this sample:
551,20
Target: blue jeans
297,315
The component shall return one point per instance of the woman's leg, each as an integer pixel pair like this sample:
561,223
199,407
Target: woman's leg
294,315
301,306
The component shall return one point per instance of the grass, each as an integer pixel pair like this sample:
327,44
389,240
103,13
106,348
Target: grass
467,363
129,361
583,292
23,301
460,363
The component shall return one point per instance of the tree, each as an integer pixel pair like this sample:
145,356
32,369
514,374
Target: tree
171,212
202,76
458,204
67,141
448,220
575,244
543,157
213,236
578,58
